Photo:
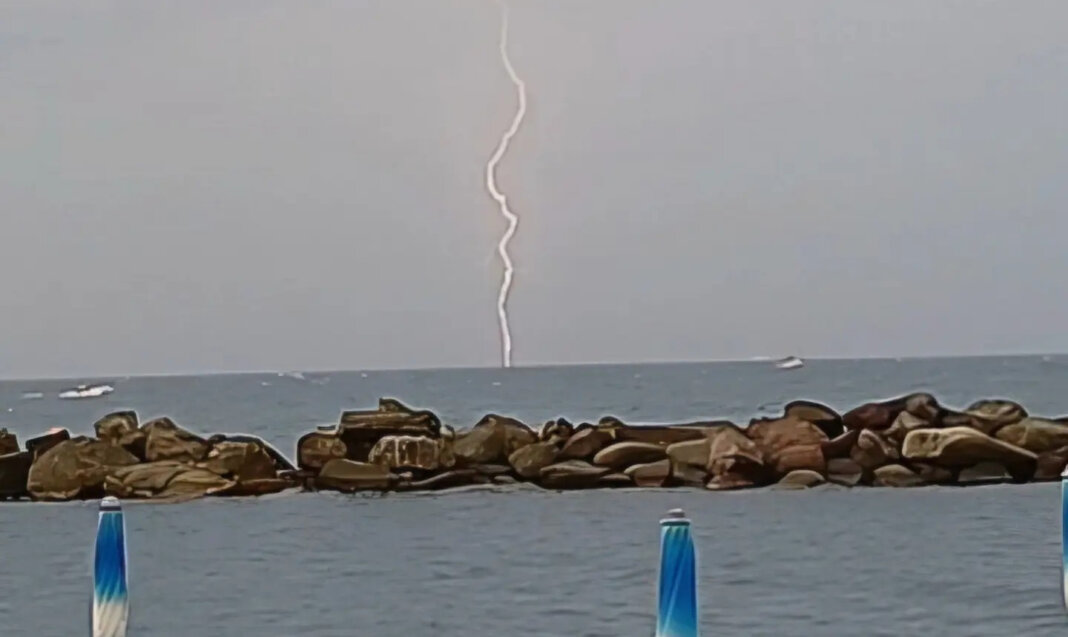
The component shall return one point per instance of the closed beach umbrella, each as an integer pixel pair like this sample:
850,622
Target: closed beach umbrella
677,593
111,605
1064,537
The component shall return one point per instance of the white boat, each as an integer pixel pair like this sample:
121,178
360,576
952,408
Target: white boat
790,362
32,395
87,391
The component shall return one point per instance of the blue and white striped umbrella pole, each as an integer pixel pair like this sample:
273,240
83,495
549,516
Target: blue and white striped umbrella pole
111,604
677,592
1064,537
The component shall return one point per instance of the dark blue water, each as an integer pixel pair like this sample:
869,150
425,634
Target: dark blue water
970,562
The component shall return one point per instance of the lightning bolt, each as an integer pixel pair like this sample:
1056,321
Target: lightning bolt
491,186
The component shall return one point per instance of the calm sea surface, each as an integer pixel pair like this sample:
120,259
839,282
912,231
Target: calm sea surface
947,561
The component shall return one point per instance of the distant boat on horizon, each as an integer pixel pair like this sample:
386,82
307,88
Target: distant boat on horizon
790,362
86,391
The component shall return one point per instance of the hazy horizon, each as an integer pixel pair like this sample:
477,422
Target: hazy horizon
190,187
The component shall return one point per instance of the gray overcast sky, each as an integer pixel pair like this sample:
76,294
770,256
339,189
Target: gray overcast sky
190,186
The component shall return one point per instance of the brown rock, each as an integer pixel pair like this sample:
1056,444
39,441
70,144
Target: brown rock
789,443
988,416
281,463
959,447
449,480
895,475
167,441
170,480
1035,434
871,451
14,472
800,479
556,431
241,461
624,454
984,473
735,459
9,442
572,474
39,445
418,453
662,435
492,440
876,416
75,468
844,471
688,475
923,406
729,481
903,424
360,430
492,470
614,481
264,486
349,476
121,428
585,443
316,448
528,461
820,415
933,474
1051,464
841,446
652,474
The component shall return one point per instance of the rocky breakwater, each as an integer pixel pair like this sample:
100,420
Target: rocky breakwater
907,441
155,460
903,442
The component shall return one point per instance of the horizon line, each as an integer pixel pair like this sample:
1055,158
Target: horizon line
514,368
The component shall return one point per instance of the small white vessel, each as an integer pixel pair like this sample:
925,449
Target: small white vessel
32,395
86,391
790,362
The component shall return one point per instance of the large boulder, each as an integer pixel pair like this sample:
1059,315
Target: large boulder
624,454
984,473
14,473
122,428
585,443
895,475
281,463
650,474
840,446
75,468
800,479
556,431
38,445
361,430
572,474
662,435
725,456
316,448
492,440
844,471
1051,464
240,461
820,415
1035,434
528,461
871,451
167,441
447,480
789,444
165,480
988,416
350,475
879,416
902,425
9,442
412,453
959,447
